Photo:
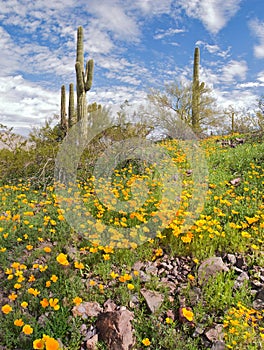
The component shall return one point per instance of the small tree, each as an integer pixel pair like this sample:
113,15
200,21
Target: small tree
175,104
260,113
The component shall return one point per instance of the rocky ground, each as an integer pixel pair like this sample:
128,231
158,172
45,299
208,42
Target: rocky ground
113,323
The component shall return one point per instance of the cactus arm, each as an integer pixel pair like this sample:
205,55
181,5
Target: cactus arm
79,78
89,75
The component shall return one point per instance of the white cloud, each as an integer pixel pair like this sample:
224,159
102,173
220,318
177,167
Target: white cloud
25,103
260,76
208,47
113,17
9,54
214,14
214,49
240,99
250,84
153,7
234,70
257,28
169,32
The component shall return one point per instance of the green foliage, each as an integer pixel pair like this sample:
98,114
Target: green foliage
30,159
24,238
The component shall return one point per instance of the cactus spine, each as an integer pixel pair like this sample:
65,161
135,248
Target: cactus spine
83,79
197,89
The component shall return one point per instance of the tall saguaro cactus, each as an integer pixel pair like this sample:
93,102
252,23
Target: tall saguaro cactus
63,121
71,111
197,89
83,78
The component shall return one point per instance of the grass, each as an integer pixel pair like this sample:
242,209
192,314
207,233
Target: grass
47,267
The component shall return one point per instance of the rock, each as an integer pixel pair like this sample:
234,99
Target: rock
215,334
144,277
87,309
236,181
256,284
138,265
115,329
219,345
198,331
134,301
260,294
209,268
240,262
153,299
109,305
231,258
240,280
90,332
91,343
258,304
151,270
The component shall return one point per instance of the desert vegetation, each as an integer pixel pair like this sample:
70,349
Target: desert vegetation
66,264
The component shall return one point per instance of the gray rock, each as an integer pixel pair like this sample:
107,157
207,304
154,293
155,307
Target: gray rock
219,345
153,299
209,268
260,294
199,330
241,279
152,270
144,277
87,309
215,334
258,304
231,258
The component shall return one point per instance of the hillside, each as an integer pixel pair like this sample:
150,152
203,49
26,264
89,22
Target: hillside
72,275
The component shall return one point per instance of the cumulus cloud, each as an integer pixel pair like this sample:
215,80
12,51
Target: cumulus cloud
114,17
214,14
25,103
257,28
38,44
234,70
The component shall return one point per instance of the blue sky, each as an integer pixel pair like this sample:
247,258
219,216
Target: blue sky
135,44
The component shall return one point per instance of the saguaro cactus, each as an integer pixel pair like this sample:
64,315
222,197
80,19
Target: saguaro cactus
197,89
83,79
63,121
71,111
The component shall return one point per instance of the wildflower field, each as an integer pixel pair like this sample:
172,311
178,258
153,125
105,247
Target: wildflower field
47,267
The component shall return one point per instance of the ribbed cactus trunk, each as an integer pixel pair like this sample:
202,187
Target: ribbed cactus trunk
71,111
83,79
233,122
63,121
196,92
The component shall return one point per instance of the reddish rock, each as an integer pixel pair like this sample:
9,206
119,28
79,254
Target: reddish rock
87,309
153,299
91,343
115,329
